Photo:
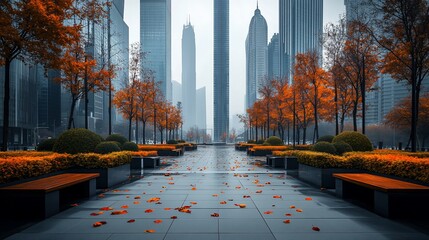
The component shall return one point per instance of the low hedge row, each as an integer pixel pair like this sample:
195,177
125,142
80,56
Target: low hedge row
399,165
156,147
20,165
269,148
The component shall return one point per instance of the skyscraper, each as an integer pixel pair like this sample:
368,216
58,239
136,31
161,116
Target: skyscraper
188,77
155,39
301,26
256,56
201,109
274,57
221,70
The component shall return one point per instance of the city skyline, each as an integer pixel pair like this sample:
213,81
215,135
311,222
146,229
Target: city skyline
201,15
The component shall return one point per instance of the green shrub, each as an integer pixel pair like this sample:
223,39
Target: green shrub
266,144
260,141
342,147
325,147
251,141
181,141
321,160
172,141
357,141
107,147
130,146
117,138
47,145
326,138
274,141
78,140
94,160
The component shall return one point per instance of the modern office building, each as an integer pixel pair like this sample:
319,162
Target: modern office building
188,77
176,92
256,57
201,109
221,70
274,57
301,26
155,39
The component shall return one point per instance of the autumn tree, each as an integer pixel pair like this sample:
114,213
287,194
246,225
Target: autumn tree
267,91
312,82
400,117
32,31
403,34
145,91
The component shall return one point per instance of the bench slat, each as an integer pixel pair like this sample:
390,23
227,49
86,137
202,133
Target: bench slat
53,183
380,183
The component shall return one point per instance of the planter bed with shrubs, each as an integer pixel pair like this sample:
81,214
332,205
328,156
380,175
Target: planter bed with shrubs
265,150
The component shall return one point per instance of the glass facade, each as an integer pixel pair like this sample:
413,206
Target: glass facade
274,57
221,70
256,57
155,39
301,25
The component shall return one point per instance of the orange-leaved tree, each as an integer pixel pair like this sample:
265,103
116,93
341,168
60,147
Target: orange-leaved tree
32,30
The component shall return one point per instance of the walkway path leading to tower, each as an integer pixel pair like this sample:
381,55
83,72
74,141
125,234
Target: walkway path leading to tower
218,193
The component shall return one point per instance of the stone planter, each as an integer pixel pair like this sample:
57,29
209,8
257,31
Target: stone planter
175,152
108,176
321,177
191,148
291,163
260,153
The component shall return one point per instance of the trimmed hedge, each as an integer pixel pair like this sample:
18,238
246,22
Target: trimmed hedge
47,145
117,138
15,168
172,141
325,147
274,141
342,147
130,146
78,140
94,160
357,141
326,138
107,147
269,148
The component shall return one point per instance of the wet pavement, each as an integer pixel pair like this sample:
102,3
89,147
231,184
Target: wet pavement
218,193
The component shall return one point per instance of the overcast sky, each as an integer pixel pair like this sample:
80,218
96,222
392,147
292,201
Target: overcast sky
201,14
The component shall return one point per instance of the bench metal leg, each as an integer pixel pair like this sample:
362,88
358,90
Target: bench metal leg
381,203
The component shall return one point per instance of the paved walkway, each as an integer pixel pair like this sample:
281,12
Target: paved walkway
218,193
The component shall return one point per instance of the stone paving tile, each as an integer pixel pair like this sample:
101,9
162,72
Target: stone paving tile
213,182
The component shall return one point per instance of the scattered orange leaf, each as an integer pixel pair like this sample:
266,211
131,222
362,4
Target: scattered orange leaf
119,212
268,212
193,203
124,206
154,199
287,221
167,209
215,215
157,221
149,231
288,214
131,221
136,202
74,205
241,205
194,188
299,210
292,207
308,199
259,191
106,209
277,196
98,224
223,202
96,213
173,217
138,197
314,228
215,195
148,210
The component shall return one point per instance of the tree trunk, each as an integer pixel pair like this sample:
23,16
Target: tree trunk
137,130
316,122
144,132
414,106
6,105
130,121
336,108
362,92
73,105
162,135
154,126
355,117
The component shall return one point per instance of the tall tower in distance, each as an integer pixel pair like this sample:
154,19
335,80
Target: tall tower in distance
256,56
221,70
155,39
188,77
301,26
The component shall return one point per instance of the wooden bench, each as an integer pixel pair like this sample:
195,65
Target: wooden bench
43,197
386,196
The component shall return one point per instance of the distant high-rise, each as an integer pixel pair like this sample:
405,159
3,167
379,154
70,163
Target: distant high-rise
176,92
256,56
301,26
221,70
274,57
188,77
155,39
201,109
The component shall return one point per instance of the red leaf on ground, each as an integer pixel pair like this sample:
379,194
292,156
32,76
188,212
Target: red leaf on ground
106,209
223,202
96,213
277,196
173,217
287,221
314,228
74,205
98,224
148,210
119,212
288,214
215,215
259,191
299,210
308,199
124,206
157,221
149,231
167,209
268,212
292,206
131,221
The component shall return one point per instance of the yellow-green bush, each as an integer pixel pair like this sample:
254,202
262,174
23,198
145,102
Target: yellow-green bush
94,160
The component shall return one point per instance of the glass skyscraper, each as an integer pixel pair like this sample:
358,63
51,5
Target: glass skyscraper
256,57
274,57
155,39
301,26
188,77
221,70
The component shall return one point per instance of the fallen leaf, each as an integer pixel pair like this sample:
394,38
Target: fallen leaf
148,210
287,221
292,207
277,196
259,191
314,228
246,196
215,195
119,212
193,203
194,188
215,215
241,205
167,209
154,199
288,214
173,217
157,221
223,202
74,205
96,213
299,210
138,197
106,209
136,202
268,212
131,221
308,199
149,231
124,206
98,224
